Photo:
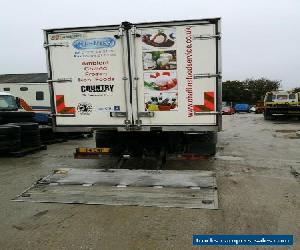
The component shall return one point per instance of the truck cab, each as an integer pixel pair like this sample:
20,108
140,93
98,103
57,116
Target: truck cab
281,103
8,102
10,110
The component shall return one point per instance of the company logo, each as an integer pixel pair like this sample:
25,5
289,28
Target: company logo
97,88
85,108
94,43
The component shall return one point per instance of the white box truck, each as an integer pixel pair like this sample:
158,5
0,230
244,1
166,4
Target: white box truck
142,86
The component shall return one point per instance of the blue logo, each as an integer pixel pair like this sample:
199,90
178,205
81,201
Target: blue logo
94,43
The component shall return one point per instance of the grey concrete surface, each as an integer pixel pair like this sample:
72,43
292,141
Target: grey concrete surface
258,194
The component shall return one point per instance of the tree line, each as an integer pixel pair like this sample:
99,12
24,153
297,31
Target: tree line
250,90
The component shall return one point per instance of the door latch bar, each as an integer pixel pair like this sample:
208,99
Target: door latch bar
146,114
60,80
206,75
118,114
47,45
207,37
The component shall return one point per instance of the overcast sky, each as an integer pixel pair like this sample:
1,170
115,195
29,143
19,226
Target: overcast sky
260,38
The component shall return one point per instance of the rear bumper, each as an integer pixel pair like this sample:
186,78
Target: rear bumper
284,111
70,129
172,128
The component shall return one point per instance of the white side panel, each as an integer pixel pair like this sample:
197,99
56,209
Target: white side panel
167,59
29,95
94,62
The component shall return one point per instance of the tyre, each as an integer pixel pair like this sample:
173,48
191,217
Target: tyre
10,145
46,133
9,130
30,144
32,133
268,115
26,125
30,138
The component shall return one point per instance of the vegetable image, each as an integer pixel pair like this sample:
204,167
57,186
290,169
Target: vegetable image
159,60
161,102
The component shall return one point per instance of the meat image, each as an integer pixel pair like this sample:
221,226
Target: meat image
159,38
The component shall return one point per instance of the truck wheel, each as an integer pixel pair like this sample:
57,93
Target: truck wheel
268,115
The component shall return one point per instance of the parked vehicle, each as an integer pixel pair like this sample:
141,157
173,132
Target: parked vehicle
252,109
259,107
141,86
279,103
33,91
17,130
242,107
228,110
10,110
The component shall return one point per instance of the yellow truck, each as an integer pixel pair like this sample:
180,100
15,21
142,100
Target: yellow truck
279,103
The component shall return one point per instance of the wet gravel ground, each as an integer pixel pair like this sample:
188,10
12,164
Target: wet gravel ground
257,168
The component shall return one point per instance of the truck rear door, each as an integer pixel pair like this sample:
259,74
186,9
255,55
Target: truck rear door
89,79
177,73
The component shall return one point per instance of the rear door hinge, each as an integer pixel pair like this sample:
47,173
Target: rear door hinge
207,37
207,75
60,80
47,45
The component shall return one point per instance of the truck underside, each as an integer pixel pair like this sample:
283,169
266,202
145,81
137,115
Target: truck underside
139,144
281,110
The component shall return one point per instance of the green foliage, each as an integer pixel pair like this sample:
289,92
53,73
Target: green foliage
296,90
248,91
